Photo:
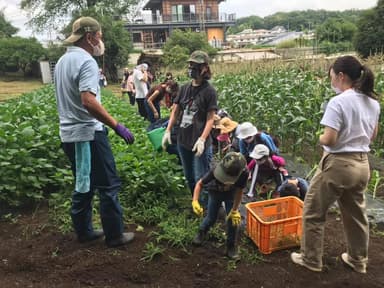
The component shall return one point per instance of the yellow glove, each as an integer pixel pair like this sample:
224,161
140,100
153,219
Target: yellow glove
197,209
235,216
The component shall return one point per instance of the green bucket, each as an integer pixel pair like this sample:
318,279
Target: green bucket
156,137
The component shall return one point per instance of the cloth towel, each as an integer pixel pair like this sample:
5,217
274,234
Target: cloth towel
83,166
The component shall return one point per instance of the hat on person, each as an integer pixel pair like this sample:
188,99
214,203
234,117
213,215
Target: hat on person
230,168
143,66
226,125
245,130
199,57
82,26
259,151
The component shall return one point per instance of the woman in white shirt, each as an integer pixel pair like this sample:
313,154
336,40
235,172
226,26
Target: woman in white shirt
350,124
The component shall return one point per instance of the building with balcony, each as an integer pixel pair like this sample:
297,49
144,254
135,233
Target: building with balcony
151,30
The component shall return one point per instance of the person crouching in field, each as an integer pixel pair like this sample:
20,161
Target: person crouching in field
293,186
224,183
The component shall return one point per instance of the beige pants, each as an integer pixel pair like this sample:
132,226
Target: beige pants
343,178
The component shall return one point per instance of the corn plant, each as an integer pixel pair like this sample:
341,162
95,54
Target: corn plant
374,182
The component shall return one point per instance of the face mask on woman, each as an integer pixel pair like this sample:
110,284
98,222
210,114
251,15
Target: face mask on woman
336,89
194,71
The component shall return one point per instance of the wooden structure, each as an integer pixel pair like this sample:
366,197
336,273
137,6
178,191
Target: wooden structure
152,31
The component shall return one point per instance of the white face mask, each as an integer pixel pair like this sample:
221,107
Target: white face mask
98,49
336,89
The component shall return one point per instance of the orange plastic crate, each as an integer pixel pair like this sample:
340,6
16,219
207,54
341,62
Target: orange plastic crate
275,224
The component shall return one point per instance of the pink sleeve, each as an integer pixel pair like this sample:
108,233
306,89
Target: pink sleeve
278,160
251,164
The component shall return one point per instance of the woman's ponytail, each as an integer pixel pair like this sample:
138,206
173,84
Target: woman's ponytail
366,82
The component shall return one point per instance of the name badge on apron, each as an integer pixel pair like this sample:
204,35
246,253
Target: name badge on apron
186,121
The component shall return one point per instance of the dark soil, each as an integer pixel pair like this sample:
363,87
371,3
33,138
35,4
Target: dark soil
33,254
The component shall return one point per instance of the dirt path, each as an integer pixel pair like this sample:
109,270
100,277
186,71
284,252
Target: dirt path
32,254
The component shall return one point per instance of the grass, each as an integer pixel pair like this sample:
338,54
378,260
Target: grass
15,86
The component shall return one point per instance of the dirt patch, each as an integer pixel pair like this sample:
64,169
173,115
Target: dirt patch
33,254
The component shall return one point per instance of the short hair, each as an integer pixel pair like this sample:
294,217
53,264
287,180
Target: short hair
289,189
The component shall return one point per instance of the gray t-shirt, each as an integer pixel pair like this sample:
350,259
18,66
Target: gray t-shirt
76,72
354,116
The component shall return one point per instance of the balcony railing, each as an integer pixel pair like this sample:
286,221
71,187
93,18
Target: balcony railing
185,18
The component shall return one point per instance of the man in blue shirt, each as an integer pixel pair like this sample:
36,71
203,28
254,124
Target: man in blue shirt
84,136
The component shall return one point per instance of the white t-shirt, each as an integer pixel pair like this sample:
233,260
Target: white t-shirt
140,85
354,116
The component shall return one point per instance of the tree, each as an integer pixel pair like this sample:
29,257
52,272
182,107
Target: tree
18,53
51,13
336,30
369,37
117,47
184,43
295,20
176,57
251,22
6,28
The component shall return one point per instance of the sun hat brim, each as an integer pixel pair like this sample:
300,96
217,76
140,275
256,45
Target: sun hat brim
73,38
251,132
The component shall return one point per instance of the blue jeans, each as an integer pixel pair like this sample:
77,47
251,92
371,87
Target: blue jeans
215,200
150,115
195,168
104,179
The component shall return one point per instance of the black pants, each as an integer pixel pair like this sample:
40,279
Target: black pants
141,107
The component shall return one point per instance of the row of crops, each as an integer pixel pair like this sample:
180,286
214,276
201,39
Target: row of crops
285,102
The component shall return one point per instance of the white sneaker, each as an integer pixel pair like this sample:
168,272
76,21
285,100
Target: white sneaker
250,194
360,268
297,258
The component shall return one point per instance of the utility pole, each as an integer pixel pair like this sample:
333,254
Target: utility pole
202,16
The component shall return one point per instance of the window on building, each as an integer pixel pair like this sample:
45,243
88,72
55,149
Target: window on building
183,12
208,13
136,37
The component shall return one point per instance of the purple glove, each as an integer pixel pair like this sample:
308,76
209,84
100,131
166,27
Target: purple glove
124,133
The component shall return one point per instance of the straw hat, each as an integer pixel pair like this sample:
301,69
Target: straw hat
226,125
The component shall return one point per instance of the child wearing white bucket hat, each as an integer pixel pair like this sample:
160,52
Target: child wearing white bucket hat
268,167
249,137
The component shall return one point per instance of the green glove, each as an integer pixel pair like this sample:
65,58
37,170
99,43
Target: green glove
197,209
235,216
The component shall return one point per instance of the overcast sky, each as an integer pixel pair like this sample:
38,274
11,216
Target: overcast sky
241,8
